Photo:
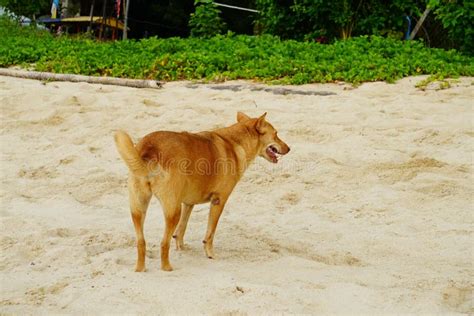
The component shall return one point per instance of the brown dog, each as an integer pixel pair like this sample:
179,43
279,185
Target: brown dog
184,169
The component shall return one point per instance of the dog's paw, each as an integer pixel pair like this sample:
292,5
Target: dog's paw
180,244
140,268
166,267
209,251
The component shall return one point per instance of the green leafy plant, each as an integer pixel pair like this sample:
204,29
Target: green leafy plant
457,17
337,19
263,58
206,20
26,8
443,83
302,19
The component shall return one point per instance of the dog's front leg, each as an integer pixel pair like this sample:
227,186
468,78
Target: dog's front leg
217,205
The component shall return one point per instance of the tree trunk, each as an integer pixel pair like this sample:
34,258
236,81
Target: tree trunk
135,83
346,32
102,24
89,28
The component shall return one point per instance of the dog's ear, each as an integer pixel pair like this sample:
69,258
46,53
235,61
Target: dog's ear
241,117
260,123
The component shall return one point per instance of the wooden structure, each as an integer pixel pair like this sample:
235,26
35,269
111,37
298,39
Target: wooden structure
79,24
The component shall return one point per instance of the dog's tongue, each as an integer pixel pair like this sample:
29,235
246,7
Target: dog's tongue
272,155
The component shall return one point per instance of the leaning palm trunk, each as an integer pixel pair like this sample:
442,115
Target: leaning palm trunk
47,76
420,23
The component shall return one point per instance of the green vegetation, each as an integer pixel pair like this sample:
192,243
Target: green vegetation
457,18
305,19
443,83
27,8
310,19
265,58
206,22
448,25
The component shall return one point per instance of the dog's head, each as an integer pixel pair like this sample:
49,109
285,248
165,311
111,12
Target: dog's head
270,146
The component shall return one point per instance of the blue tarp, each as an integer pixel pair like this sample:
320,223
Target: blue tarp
48,20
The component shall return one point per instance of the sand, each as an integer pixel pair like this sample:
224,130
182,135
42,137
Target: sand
370,213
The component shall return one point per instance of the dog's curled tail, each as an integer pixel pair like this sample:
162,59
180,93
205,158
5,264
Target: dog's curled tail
129,154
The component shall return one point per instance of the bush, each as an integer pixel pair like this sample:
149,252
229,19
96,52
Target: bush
264,58
26,8
205,21
309,19
299,19
457,18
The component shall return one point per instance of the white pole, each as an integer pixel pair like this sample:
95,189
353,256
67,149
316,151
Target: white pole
234,7
125,23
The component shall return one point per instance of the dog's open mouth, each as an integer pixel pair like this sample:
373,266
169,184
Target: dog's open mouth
273,153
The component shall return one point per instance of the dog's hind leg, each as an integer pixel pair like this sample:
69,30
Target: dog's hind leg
140,194
181,229
172,212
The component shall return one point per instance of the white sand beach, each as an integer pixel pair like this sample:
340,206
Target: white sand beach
370,213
